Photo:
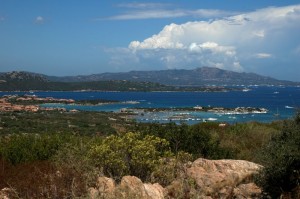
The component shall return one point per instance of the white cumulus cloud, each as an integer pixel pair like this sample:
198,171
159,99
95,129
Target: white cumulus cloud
229,42
213,48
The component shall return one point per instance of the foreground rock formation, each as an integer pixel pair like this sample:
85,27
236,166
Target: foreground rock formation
221,177
130,187
200,179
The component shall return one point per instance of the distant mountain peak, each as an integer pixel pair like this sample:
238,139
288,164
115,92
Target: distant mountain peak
201,76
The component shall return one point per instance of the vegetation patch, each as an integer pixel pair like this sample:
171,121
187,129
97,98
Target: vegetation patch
62,154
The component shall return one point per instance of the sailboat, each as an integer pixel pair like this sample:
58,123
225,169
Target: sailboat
277,114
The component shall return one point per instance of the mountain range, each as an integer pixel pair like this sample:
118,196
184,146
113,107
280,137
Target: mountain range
204,76
199,79
26,81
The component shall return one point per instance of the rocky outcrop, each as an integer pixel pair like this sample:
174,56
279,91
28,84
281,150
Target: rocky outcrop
130,187
200,179
105,188
134,187
219,178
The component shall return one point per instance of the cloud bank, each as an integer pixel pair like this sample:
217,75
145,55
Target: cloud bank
236,42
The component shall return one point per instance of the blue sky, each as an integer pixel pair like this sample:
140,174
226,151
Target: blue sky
73,37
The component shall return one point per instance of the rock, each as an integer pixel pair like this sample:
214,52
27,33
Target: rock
105,188
106,185
219,177
130,187
155,191
200,179
133,187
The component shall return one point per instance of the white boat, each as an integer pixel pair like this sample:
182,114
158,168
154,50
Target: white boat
246,90
289,107
212,119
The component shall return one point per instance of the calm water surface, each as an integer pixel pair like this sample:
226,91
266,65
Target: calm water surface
278,100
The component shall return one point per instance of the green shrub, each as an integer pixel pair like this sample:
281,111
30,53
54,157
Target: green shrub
170,169
130,154
200,140
30,147
204,142
281,158
73,156
244,140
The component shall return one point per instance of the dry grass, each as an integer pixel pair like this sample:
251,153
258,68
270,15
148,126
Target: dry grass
41,179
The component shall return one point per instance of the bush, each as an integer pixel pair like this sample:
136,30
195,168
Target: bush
281,158
204,142
130,154
73,156
47,165
200,140
31,147
170,169
245,140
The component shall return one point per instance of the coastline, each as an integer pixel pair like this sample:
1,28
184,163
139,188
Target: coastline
277,101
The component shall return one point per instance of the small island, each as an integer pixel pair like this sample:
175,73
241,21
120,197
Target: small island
217,110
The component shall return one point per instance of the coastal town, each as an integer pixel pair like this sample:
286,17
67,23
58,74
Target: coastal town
29,103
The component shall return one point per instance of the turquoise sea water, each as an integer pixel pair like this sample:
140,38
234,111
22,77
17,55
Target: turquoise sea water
281,102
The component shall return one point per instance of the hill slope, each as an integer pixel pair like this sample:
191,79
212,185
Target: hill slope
25,81
181,77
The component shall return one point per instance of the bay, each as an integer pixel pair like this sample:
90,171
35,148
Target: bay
281,102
